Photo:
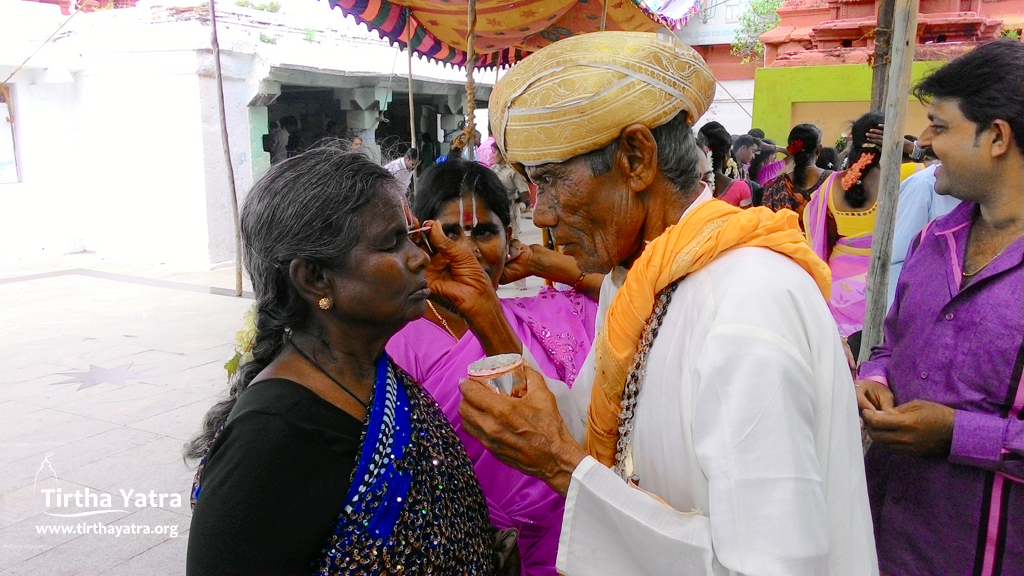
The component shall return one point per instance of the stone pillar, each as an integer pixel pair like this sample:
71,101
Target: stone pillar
362,108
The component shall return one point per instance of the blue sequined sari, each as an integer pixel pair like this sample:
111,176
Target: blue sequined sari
414,505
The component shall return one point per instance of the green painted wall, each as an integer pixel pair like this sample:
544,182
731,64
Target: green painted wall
776,89
257,129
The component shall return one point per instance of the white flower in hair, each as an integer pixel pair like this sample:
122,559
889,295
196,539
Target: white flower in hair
732,168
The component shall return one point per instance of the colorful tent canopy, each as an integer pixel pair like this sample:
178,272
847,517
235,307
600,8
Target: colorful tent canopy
507,30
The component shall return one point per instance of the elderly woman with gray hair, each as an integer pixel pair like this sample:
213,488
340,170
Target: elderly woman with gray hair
326,458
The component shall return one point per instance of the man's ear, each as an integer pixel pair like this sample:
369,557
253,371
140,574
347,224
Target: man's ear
637,157
1002,138
311,282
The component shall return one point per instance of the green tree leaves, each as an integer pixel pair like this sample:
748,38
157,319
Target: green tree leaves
757,19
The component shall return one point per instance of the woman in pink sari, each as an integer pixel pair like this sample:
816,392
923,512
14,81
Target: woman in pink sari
556,330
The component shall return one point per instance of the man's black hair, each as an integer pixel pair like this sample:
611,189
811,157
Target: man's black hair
986,83
743,141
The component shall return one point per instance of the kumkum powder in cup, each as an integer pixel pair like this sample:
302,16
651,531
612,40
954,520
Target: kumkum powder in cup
503,372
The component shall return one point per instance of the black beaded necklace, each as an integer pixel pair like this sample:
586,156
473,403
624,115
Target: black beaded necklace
328,374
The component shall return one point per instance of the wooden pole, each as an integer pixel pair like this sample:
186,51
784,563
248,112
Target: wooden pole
412,107
604,14
883,53
904,38
227,148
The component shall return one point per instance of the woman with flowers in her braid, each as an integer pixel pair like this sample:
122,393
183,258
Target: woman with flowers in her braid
326,458
839,222
793,189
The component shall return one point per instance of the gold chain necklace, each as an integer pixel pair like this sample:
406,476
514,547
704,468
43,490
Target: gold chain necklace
993,259
444,323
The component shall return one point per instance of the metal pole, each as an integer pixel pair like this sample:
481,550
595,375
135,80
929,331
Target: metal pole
227,148
904,38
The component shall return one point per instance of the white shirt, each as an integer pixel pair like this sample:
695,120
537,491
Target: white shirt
400,171
918,205
746,425
279,145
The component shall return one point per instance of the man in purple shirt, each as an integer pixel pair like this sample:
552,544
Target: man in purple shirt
942,398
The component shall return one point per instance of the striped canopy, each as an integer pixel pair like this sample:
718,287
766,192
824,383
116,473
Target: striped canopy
507,30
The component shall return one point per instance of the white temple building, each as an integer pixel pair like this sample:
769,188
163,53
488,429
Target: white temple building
115,146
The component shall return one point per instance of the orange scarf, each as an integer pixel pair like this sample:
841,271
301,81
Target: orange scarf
707,231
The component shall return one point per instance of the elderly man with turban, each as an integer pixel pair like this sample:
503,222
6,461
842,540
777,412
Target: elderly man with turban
713,429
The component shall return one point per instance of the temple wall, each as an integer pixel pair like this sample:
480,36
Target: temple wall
732,106
837,32
110,162
828,96
117,135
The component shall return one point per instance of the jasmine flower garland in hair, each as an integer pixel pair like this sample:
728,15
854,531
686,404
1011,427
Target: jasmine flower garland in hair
244,340
732,169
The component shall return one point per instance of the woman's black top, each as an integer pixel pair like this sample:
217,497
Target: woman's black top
274,483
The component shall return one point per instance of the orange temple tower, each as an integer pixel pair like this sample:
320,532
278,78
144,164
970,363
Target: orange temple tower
822,32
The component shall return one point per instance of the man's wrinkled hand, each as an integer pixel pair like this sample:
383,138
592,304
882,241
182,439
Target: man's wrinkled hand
455,275
918,428
527,433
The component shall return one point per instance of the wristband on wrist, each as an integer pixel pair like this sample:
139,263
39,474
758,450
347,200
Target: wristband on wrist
917,154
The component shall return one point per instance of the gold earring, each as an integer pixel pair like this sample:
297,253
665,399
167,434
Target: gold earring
325,303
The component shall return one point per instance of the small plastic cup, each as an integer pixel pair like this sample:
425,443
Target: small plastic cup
503,372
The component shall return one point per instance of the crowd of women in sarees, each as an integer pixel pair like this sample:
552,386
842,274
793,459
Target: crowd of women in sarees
837,209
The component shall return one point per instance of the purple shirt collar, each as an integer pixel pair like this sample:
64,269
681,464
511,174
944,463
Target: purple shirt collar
955,228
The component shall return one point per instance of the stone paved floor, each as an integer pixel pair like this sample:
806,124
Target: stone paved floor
105,370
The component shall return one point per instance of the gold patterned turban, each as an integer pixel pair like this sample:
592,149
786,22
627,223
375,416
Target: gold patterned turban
578,94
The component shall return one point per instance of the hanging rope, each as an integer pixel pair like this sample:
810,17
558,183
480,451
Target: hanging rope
604,14
467,134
